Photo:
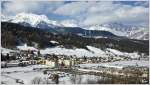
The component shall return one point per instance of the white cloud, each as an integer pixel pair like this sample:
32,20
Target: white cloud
73,8
105,12
99,19
132,15
85,13
14,7
142,3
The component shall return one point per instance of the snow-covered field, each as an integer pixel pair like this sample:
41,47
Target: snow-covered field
9,75
19,69
26,77
27,74
119,64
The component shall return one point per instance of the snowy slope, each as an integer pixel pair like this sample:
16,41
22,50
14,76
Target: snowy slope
4,18
34,20
69,23
96,50
141,34
25,47
103,28
119,29
115,52
39,21
63,51
79,52
91,52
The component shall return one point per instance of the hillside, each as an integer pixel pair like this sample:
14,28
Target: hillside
15,34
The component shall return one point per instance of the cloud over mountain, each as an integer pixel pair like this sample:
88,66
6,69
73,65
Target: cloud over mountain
85,13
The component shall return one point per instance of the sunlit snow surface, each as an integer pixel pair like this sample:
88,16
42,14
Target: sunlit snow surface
119,64
91,52
33,19
63,51
79,52
18,69
27,74
25,47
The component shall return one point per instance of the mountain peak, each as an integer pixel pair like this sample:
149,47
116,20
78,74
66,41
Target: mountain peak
69,23
40,21
34,20
5,18
31,16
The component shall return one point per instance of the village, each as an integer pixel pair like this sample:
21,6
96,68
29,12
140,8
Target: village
78,65
31,56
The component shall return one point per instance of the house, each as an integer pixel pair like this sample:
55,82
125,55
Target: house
41,61
64,63
24,63
50,63
32,62
13,63
58,61
144,75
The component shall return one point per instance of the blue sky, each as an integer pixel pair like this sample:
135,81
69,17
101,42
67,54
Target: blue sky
84,13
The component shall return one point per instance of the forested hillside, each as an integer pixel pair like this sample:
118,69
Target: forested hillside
15,34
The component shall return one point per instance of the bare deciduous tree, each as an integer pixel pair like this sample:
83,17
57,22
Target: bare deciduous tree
76,79
37,80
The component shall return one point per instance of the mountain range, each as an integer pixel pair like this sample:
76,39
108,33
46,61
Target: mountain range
119,29
95,31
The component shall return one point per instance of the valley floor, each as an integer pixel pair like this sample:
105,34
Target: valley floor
80,74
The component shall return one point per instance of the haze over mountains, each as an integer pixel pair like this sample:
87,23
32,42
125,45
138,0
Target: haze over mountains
96,30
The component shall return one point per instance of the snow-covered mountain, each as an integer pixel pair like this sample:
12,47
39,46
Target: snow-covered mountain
119,29
42,21
69,23
141,34
4,18
63,27
105,28
38,21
